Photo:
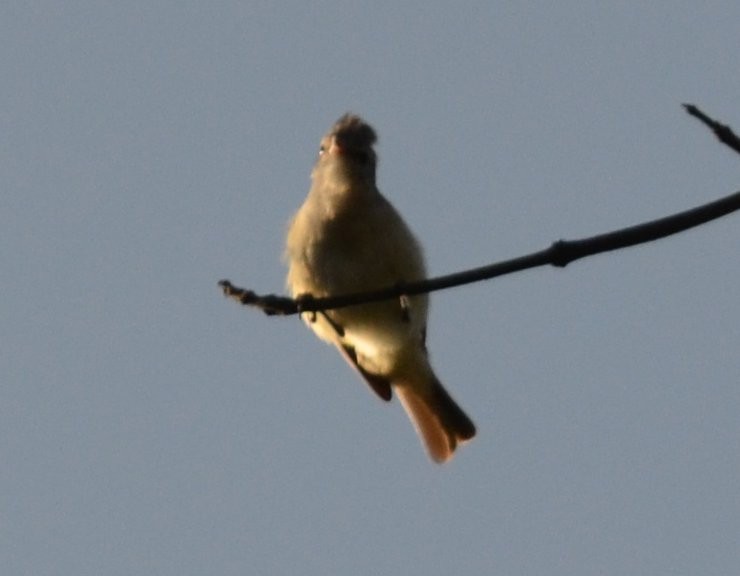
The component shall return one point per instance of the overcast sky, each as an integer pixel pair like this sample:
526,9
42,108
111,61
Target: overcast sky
150,426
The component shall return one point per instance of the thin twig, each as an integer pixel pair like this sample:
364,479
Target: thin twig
723,132
559,254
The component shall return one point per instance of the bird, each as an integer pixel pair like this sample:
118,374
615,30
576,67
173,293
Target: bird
347,237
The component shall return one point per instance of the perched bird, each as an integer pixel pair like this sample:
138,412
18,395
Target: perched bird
346,238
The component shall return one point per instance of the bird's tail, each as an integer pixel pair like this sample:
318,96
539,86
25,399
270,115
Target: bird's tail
439,421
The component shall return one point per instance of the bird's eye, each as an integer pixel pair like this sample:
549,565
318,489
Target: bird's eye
322,149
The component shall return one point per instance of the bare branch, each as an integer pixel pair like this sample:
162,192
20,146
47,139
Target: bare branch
723,132
559,254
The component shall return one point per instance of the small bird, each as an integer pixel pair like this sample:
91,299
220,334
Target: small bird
346,238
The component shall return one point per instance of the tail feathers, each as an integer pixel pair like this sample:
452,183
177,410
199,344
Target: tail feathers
439,421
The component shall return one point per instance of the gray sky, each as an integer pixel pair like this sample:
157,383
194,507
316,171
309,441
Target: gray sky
148,426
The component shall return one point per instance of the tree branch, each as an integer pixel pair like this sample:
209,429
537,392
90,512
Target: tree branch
559,254
723,132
